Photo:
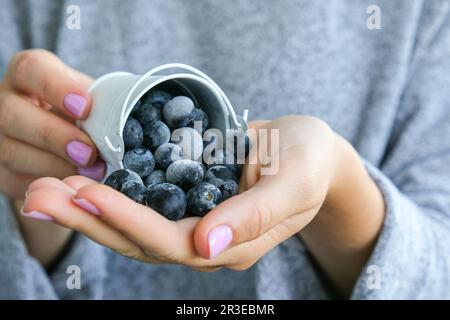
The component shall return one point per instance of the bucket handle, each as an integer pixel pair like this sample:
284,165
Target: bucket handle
197,72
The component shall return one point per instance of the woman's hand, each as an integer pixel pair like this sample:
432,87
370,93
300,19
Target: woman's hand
311,160
40,99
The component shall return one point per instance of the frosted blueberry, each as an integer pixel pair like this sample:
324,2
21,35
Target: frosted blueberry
155,134
178,112
157,176
147,113
167,199
116,179
202,198
157,98
224,179
132,134
135,191
166,154
135,108
200,119
140,160
184,173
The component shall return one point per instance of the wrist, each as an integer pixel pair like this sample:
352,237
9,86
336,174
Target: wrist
345,230
345,160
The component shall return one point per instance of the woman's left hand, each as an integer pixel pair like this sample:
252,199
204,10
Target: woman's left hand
303,174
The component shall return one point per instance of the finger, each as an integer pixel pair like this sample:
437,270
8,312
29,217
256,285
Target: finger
249,215
244,255
56,204
44,75
167,240
14,185
77,182
49,182
22,120
24,158
257,124
138,223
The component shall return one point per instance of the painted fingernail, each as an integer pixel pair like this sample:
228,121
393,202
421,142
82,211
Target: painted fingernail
36,215
79,152
96,172
86,205
75,103
219,239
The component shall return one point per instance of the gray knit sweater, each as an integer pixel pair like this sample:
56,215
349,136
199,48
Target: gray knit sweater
385,90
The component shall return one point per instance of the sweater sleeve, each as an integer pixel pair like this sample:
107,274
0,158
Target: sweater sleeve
22,276
411,259
79,274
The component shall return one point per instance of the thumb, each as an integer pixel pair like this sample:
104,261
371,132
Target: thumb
248,215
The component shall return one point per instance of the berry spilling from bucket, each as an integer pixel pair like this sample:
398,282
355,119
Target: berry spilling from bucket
175,162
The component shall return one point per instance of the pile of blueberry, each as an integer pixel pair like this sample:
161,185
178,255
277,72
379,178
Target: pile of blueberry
171,174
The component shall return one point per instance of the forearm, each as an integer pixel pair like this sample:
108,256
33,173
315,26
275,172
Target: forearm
342,235
45,241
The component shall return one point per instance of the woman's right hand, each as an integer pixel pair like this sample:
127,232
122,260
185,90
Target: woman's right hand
40,99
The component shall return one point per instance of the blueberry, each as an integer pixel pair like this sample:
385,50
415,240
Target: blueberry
224,179
219,158
202,198
157,98
116,179
135,108
200,118
203,168
184,173
190,141
155,134
178,112
133,135
235,167
166,154
157,176
140,160
167,199
147,113
135,191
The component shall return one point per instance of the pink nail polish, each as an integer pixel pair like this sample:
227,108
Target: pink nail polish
86,205
79,152
219,239
36,215
75,103
96,172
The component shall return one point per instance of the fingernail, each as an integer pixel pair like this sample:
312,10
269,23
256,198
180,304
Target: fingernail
75,103
36,215
86,205
96,172
219,239
79,152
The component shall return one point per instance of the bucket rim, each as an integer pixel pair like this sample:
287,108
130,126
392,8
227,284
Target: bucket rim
175,65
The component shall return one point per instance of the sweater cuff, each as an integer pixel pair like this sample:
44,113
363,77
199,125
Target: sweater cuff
400,252
81,271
